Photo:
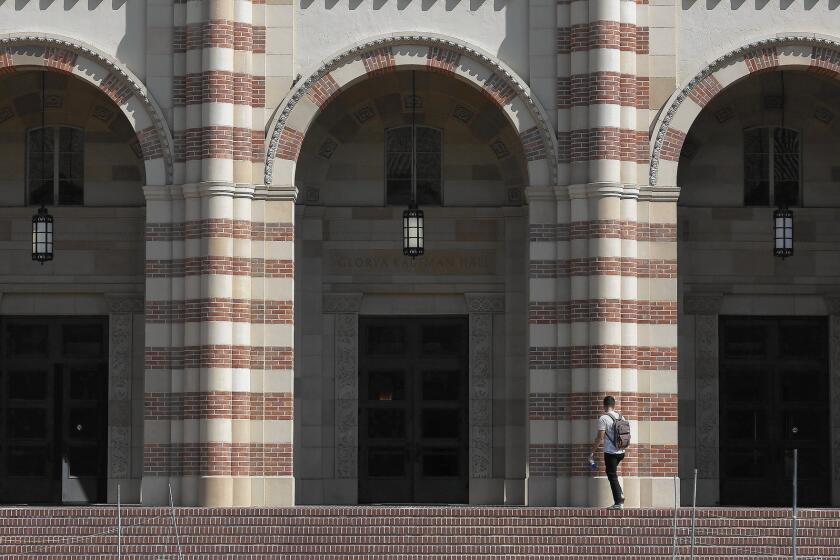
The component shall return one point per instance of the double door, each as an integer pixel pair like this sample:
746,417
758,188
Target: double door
53,409
774,399
413,410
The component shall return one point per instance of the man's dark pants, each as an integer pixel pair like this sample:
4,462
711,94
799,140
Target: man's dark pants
611,461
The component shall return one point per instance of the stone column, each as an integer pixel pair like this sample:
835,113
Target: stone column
345,311
833,307
125,315
705,309
481,309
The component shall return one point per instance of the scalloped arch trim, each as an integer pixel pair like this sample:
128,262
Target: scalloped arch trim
63,54
438,54
809,52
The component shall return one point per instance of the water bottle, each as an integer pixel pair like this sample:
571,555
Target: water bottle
592,464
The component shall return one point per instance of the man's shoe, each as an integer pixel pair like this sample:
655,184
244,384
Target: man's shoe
616,506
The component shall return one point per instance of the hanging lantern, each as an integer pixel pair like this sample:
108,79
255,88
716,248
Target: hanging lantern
783,227
412,232
42,236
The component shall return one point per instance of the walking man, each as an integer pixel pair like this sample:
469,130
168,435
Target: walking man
614,434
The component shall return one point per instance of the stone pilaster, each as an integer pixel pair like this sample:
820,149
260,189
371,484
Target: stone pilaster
345,308
833,307
481,309
705,309
122,463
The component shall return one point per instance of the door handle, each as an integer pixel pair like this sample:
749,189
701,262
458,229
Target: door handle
794,430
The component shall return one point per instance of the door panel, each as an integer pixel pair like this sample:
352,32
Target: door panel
413,410
53,409
773,399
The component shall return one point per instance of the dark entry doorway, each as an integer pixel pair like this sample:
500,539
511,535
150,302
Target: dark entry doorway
413,417
53,409
773,399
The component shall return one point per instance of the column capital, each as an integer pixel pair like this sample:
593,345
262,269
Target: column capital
657,193
702,304
124,303
162,192
485,303
342,303
280,193
533,194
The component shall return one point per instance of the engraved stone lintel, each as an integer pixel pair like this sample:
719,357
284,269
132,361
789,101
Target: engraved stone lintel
124,303
702,304
485,303
342,303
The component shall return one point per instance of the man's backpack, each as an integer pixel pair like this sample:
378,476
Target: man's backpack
621,432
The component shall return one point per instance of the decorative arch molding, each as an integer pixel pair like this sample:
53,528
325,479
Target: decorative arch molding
102,71
810,52
434,53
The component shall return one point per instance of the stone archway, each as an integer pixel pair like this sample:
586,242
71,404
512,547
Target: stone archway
807,52
429,52
61,54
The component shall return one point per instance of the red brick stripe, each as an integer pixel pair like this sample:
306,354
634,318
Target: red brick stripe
582,406
613,266
603,34
603,356
596,88
222,142
235,266
220,309
218,86
218,404
218,459
219,34
605,143
253,357
825,61
613,310
224,228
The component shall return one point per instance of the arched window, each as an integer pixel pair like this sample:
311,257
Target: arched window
55,159
398,165
772,167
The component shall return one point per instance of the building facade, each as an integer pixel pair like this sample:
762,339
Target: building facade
228,316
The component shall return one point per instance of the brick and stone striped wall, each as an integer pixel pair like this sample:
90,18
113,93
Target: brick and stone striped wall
602,311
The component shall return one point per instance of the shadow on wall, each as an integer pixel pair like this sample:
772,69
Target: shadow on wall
425,5
761,4
68,4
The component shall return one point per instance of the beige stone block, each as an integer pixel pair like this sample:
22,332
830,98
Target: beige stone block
156,431
279,491
215,491
154,491
242,493
661,89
